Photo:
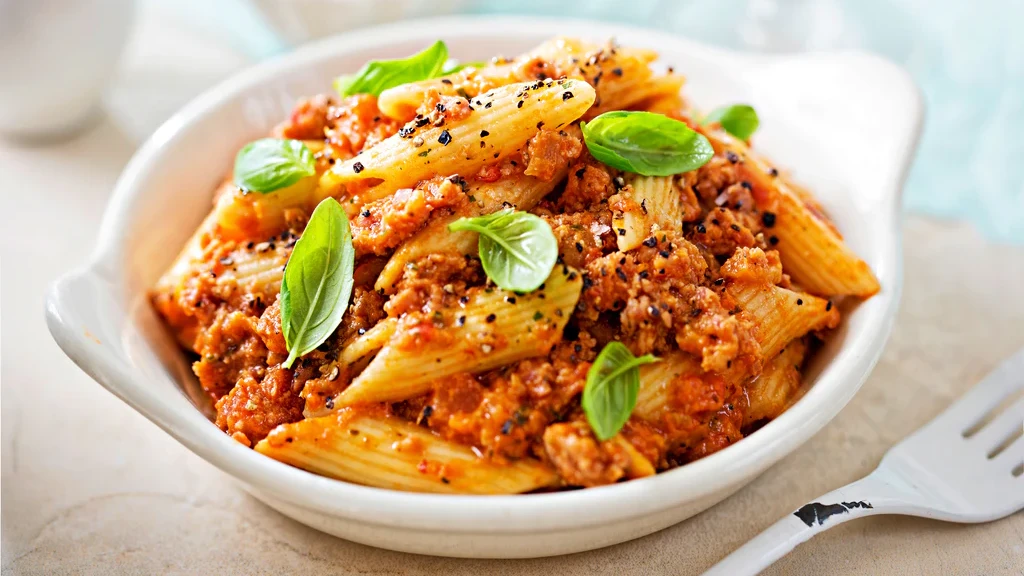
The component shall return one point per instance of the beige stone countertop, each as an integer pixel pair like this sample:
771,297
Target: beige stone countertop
90,486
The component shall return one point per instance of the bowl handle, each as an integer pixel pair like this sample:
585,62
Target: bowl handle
867,109
84,321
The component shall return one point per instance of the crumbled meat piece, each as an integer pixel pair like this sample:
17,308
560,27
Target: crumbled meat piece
581,460
433,282
356,124
309,119
229,349
722,232
551,150
509,409
588,184
380,226
254,407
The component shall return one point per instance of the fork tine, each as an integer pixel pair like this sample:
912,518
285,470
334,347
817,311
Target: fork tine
1011,457
994,433
986,395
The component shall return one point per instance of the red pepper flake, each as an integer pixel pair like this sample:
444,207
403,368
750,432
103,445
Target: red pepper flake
445,138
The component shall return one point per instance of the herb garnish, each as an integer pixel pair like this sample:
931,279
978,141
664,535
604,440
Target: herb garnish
613,382
377,76
740,120
517,249
271,164
646,143
317,281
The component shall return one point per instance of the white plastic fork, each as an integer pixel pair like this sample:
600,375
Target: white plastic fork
966,465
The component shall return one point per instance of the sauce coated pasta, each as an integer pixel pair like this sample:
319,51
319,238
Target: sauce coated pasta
505,277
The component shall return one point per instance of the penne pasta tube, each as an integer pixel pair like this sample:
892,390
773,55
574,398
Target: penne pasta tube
812,252
656,381
655,202
369,343
493,328
771,392
782,315
509,115
244,215
618,74
388,452
523,192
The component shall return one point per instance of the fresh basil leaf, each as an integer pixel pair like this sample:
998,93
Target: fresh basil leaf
517,249
377,76
646,143
609,395
317,281
271,164
453,66
740,120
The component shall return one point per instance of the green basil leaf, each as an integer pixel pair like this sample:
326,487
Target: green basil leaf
646,143
377,76
517,249
609,395
271,164
317,281
740,120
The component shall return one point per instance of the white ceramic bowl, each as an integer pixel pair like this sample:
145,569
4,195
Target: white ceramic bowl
846,124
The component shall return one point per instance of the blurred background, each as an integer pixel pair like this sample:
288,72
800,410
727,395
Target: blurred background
967,57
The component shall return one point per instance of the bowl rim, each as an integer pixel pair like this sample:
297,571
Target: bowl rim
534,513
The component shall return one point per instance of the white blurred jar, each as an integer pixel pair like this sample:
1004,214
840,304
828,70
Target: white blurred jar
56,59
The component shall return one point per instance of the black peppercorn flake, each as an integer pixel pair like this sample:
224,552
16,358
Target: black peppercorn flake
445,138
357,167
768,219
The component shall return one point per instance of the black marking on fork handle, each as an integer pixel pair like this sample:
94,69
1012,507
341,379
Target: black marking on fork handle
818,512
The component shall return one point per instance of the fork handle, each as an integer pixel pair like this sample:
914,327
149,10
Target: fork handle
878,493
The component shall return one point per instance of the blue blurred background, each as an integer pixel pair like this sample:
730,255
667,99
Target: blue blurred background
967,56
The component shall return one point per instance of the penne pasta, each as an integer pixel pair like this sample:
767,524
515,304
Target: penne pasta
388,452
493,328
619,74
782,315
242,215
656,383
771,392
812,252
509,115
257,271
369,343
654,202
439,379
523,192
